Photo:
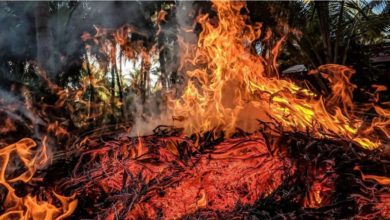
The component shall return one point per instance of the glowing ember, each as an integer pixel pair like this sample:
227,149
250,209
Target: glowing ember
384,205
160,182
321,184
238,171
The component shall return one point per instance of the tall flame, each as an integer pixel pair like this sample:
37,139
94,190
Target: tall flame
231,86
29,207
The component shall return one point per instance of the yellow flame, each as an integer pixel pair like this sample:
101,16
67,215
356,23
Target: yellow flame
29,207
229,86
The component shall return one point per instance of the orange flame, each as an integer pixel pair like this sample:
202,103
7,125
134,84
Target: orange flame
229,87
380,179
29,207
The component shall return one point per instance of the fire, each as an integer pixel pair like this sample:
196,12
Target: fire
161,182
380,179
321,184
171,175
230,86
29,206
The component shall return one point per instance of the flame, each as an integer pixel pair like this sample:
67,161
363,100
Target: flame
29,207
202,202
379,179
229,86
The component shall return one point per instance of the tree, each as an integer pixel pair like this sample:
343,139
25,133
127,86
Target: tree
322,32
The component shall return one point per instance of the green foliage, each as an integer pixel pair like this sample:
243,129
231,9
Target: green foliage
323,32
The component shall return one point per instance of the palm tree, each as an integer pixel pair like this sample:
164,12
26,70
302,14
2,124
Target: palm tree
322,32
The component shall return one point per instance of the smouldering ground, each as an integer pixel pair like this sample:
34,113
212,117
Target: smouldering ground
153,177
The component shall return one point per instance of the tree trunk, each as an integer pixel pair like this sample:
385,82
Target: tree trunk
120,87
162,61
311,50
338,33
323,17
112,90
45,54
145,67
346,48
91,98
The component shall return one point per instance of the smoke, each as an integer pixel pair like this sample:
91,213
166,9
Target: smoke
155,111
18,121
186,12
66,23
147,116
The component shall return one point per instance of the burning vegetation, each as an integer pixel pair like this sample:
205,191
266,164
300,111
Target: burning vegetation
215,131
